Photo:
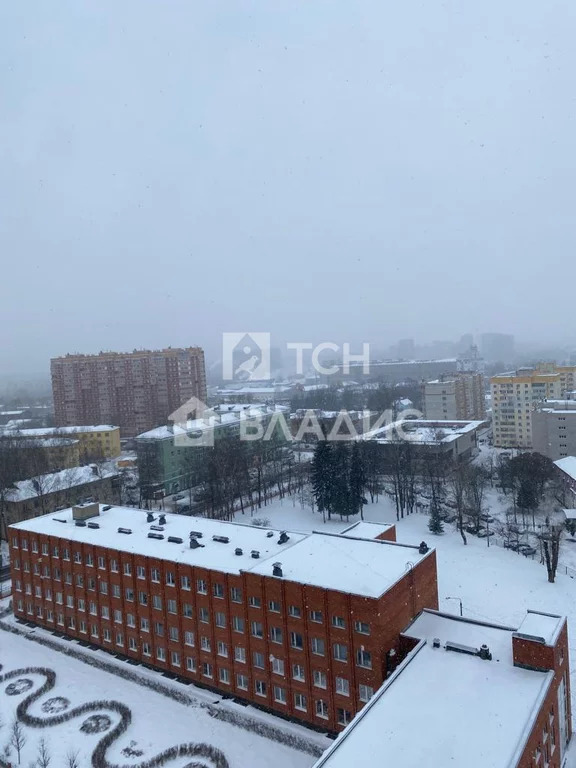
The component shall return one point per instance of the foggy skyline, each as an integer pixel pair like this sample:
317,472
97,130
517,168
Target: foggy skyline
362,172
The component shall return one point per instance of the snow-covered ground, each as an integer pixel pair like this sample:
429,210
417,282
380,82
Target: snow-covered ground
157,722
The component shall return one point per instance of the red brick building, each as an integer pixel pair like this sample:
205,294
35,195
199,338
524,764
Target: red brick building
306,625
135,390
468,694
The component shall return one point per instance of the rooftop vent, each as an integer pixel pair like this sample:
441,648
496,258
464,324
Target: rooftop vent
283,537
156,528
124,530
458,648
436,642
276,569
194,543
162,519
80,523
270,534
423,548
106,507
221,539
175,539
150,517
84,511
93,525
59,520
484,653
196,534
238,551
155,536
255,554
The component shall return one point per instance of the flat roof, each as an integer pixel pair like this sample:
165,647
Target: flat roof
55,431
423,431
54,482
331,561
364,529
567,465
541,626
443,708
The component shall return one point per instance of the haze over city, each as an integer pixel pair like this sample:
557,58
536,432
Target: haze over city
356,172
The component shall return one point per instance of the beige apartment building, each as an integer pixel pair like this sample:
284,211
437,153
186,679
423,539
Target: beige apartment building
456,397
136,390
516,395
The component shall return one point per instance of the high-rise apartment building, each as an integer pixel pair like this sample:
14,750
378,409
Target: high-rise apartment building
497,347
135,390
459,397
516,394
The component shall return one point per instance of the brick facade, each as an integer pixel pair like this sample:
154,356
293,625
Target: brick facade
305,652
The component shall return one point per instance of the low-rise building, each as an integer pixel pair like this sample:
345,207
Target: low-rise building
58,452
94,442
566,472
47,493
450,441
168,463
455,397
554,428
305,625
469,694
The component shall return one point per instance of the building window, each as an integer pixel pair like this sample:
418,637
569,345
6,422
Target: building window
220,619
140,572
320,679
322,709
240,654
171,606
294,611
338,622
275,634
274,606
201,587
115,590
175,658
161,653
130,620
89,558
190,664
218,590
127,569
279,694
187,610
278,666
260,688
258,659
159,629
296,640
185,582
203,615
157,602
344,716
300,702
118,617
170,580
366,692
103,587
254,602
342,686
224,675
235,594
340,652
119,639
256,629
205,643
189,638
143,598
298,672
114,566
364,659
173,634
222,649
316,616
155,575
362,627
105,612
242,682
101,563
146,649
207,669
318,646
237,624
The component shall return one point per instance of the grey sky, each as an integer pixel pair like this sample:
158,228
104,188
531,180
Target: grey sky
345,171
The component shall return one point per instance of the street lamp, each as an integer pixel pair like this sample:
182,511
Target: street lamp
459,600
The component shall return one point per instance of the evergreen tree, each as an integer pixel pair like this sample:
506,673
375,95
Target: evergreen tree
340,487
357,481
322,468
435,524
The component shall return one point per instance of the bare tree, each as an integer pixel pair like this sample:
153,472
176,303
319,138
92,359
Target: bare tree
72,759
459,485
551,547
44,758
17,738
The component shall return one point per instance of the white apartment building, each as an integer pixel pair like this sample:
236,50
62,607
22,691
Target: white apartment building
515,395
554,429
459,397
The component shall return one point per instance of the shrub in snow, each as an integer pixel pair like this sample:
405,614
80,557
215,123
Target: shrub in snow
55,705
96,724
261,522
18,687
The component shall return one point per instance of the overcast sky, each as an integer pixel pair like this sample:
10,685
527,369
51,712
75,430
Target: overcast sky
363,170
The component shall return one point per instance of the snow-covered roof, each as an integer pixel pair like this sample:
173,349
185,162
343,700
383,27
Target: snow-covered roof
364,529
567,465
55,431
443,708
541,626
350,565
41,485
423,431
218,416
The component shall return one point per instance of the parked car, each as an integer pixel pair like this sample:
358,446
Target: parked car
526,550
487,518
483,533
473,529
513,545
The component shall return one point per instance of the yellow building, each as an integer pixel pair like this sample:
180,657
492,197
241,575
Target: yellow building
516,394
94,442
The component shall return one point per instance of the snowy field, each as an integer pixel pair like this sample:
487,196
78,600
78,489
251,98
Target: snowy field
157,722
